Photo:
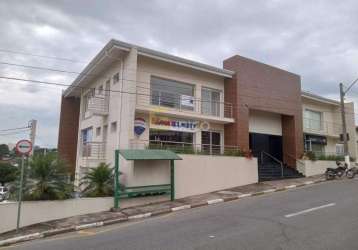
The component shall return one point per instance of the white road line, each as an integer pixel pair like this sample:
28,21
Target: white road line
310,210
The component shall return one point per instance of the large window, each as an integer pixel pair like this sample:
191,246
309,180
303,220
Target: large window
211,142
313,120
173,94
170,139
210,102
86,137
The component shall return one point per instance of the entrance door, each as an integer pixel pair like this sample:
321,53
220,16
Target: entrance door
271,144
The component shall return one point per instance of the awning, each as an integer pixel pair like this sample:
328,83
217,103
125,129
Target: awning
148,154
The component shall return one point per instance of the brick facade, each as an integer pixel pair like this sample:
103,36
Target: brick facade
257,86
68,131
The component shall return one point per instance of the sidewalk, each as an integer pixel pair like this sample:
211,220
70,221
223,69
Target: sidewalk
161,207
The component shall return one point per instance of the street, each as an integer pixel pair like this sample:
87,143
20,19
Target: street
322,216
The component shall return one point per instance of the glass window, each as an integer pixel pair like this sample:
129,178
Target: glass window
173,94
168,138
340,149
210,102
115,78
98,131
210,142
86,136
313,120
100,90
113,127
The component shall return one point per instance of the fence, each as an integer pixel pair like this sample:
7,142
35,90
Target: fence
188,148
185,103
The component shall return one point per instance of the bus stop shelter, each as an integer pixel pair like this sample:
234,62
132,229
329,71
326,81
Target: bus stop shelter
144,155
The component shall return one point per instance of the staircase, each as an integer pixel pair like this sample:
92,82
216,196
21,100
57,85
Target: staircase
271,168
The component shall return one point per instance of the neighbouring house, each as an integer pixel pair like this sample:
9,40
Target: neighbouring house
131,97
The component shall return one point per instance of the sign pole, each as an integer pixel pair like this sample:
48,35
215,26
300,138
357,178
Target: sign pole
116,179
20,193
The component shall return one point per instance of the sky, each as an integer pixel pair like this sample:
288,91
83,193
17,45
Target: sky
316,39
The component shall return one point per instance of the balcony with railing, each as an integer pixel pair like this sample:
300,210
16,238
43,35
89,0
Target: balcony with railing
93,152
326,128
167,102
187,148
97,104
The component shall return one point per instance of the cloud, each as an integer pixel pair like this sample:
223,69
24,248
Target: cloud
315,39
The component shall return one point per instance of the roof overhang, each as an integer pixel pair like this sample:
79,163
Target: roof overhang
320,99
148,154
115,50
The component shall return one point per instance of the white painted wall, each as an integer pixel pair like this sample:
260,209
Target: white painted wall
265,123
310,168
199,174
39,211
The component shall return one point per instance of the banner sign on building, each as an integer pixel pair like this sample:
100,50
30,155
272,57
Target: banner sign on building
187,100
139,126
160,122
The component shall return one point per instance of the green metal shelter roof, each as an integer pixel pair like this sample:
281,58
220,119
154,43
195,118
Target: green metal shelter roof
148,154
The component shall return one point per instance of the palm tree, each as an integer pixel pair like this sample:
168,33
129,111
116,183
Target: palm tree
99,181
48,178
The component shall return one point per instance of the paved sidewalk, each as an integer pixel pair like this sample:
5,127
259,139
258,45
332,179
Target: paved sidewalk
138,212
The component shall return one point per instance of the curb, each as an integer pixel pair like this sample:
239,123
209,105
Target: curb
53,232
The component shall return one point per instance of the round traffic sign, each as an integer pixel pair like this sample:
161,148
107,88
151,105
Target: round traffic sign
23,147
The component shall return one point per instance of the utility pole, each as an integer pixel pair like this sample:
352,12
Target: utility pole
344,125
33,125
342,93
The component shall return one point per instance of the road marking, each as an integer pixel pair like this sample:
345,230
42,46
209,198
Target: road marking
214,201
309,210
180,208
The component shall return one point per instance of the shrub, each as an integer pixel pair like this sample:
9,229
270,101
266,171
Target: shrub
47,179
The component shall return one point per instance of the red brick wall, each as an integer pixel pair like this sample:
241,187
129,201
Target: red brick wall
68,131
257,86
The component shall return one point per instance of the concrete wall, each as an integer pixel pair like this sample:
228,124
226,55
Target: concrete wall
309,168
198,174
40,211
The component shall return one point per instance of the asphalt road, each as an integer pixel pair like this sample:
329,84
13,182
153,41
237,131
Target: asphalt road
323,216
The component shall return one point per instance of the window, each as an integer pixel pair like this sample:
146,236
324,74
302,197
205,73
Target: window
100,90
104,134
171,139
98,131
113,127
211,142
313,120
115,78
173,94
210,102
339,149
86,137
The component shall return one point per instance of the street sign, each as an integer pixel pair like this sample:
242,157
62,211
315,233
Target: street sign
23,147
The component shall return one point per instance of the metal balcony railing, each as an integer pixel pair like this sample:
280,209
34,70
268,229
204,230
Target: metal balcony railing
188,148
321,127
98,104
185,103
93,150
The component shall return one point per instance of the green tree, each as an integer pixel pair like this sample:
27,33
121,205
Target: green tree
99,181
8,173
4,150
47,179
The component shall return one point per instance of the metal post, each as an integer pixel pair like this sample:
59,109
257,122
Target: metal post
172,178
116,180
344,125
20,193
